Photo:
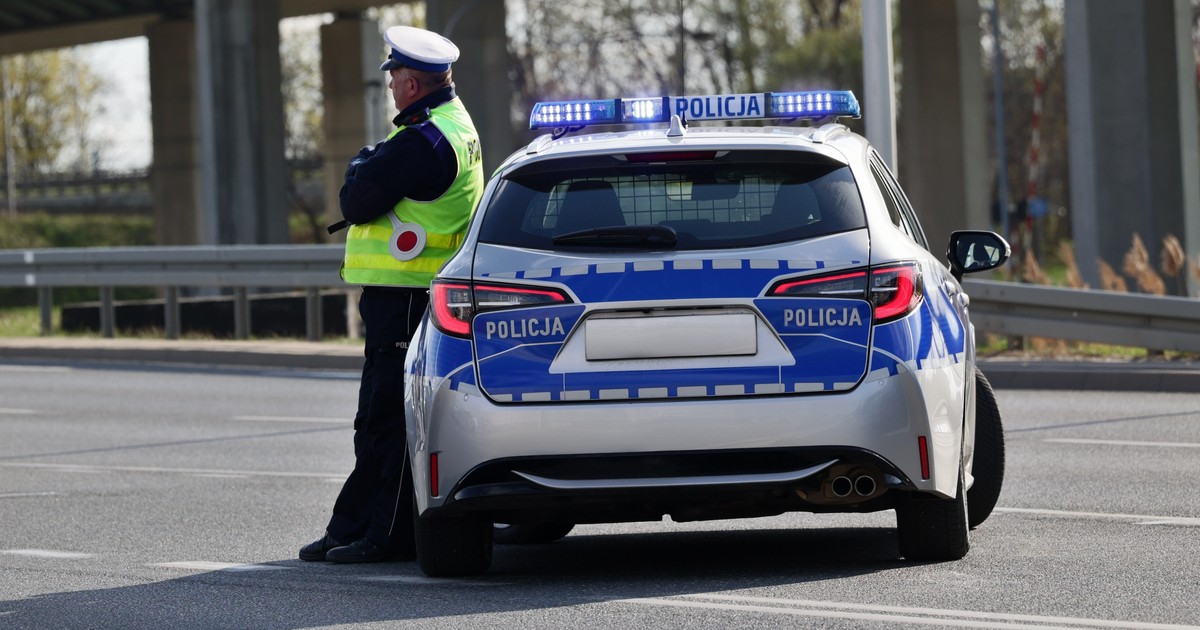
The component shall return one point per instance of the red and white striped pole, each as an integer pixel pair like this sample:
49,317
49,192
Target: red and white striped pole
1035,124
1035,145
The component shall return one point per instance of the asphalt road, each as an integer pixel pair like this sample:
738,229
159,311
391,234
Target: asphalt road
176,498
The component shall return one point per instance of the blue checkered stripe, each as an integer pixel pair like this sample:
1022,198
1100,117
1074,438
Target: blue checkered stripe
670,279
930,337
515,348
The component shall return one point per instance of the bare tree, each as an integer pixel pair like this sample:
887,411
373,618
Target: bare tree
571,49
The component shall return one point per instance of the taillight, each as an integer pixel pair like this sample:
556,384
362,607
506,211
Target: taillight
848,285
455,303
892,291
895,292
452,308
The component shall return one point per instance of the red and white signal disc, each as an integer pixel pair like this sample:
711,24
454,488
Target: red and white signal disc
408,239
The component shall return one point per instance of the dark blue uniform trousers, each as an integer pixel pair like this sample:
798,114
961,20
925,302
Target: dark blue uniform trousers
376,501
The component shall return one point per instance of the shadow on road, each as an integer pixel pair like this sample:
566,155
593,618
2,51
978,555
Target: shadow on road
578,570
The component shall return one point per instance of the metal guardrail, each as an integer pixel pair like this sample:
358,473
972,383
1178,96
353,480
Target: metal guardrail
1127,319
239,267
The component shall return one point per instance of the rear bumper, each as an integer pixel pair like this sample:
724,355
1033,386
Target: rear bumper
686,486
479,444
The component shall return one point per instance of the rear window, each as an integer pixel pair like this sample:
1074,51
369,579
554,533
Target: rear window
735,200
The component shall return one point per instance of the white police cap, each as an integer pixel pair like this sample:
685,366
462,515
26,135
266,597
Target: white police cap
418,49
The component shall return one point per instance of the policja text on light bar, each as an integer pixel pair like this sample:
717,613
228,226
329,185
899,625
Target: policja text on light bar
812,105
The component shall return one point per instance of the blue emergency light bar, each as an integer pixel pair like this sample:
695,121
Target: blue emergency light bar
812,105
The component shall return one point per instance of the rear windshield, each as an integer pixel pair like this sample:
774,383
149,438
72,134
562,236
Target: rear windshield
735,200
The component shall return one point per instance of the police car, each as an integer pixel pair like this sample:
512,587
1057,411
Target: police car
700,322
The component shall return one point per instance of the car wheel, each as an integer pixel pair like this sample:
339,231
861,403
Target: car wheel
452,546
988,469
529,533
931,529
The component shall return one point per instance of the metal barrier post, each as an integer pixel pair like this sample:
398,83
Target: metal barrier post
352,314
171,320
241,314
312,314
107,313
46,309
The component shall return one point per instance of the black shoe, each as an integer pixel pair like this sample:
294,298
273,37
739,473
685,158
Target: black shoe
315,551
361,550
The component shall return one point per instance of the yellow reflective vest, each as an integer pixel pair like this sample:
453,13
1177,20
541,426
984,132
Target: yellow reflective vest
409,244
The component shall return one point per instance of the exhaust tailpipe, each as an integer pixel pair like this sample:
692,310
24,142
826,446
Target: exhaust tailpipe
865,485
841,486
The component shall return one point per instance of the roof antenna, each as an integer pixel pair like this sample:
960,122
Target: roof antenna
678,127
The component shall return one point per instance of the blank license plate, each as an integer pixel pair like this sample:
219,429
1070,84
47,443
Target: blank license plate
673,336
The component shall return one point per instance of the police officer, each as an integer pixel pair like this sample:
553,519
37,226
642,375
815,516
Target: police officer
406,201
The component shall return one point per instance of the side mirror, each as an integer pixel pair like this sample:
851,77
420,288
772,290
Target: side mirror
976,250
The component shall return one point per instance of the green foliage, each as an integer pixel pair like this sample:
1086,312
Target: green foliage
49,99
36,231
22,321
32,231
823,60
306,228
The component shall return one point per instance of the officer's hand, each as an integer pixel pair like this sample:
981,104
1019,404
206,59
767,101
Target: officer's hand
364,154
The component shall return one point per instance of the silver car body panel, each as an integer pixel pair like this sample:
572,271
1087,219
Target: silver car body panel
910,377
466,429
669,482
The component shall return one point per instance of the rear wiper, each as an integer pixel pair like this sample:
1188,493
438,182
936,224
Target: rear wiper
648,236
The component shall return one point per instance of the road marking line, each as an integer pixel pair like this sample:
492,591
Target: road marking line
1123,443
22,495
421,580
290,419
1155,519
200,565
17,412
46,553
32,368
185,471
940,612
892,614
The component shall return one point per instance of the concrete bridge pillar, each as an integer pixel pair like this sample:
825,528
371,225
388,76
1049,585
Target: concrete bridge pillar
1132,122
244,185
481,73
355,96
175,170
942,139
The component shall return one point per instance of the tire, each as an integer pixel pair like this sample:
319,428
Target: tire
529,533
934,530
453,546
988,468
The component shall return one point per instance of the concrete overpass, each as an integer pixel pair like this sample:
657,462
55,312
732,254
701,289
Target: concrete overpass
218,137
218,172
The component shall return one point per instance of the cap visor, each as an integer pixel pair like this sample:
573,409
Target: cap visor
390,64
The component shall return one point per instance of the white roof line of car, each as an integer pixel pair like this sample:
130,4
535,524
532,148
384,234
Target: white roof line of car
698,138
